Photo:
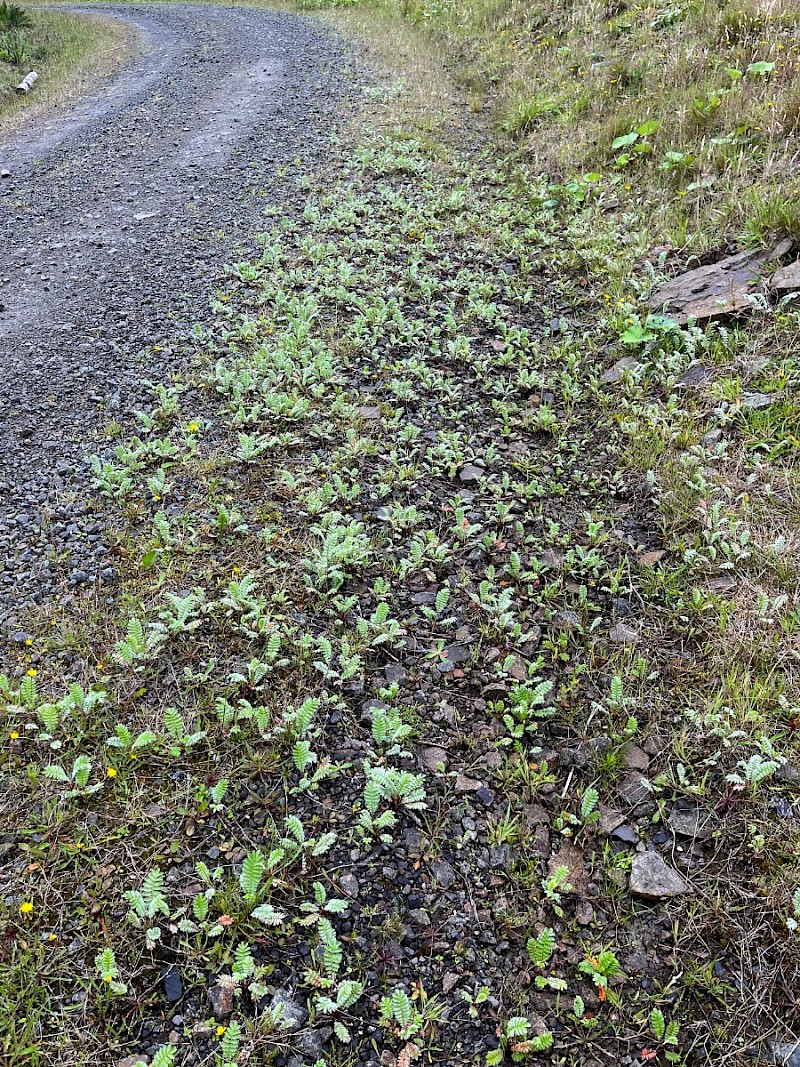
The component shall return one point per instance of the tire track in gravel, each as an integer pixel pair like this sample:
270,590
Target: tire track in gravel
117,218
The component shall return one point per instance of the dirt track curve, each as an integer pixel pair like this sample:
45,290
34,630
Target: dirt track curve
115,222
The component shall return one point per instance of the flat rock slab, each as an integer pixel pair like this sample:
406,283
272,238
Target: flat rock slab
718,289
787,280
785,1053
651,877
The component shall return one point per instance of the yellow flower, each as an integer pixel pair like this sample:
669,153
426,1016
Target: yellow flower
107,978
111,772
26,907
193,427
101,666
14,735
221,1030
32,672
28,641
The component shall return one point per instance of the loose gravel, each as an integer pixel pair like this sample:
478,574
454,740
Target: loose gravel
117,216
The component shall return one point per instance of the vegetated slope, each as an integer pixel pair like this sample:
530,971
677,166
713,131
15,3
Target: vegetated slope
66,50
447,704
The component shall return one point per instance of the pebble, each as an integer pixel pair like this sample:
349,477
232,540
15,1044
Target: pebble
348,883
173,986
221,996
653,878
443,873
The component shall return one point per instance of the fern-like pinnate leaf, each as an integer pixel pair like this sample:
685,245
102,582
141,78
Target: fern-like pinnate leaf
252,873
540,948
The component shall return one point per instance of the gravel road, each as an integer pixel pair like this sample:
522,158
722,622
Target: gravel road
117,218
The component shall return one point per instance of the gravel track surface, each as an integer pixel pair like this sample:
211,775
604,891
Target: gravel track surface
117,218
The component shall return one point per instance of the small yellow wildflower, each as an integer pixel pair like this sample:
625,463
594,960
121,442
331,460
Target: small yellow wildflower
26,907
13,735
28,640
193,427
221,1030
32,672
111,772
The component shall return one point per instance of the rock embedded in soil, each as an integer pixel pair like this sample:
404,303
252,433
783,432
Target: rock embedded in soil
434,758
636,759
716,290
221,996
623,634
571,857
690,822
651,877
784,1053
294,1014
787,279
470,473
172,984
349,884
756,401
617,372
443,873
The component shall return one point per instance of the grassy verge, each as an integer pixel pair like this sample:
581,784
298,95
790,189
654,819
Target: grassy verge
427,634
68,52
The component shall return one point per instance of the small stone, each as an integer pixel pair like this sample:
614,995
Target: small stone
419,917
452,655
566,620
633,790
724,584
651,877
434,758
221,996
449,981
626,833
310,1043
609,820
695,377
470,473
756,401
584,912
369,412
173,986
294,1013
785,1053
500,857
348,883
649,559
5,173
394,673
787,279
622,634
485,796
466,785
620,369
388,1058
443,873
636,759
571,857
690,822
132,1061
